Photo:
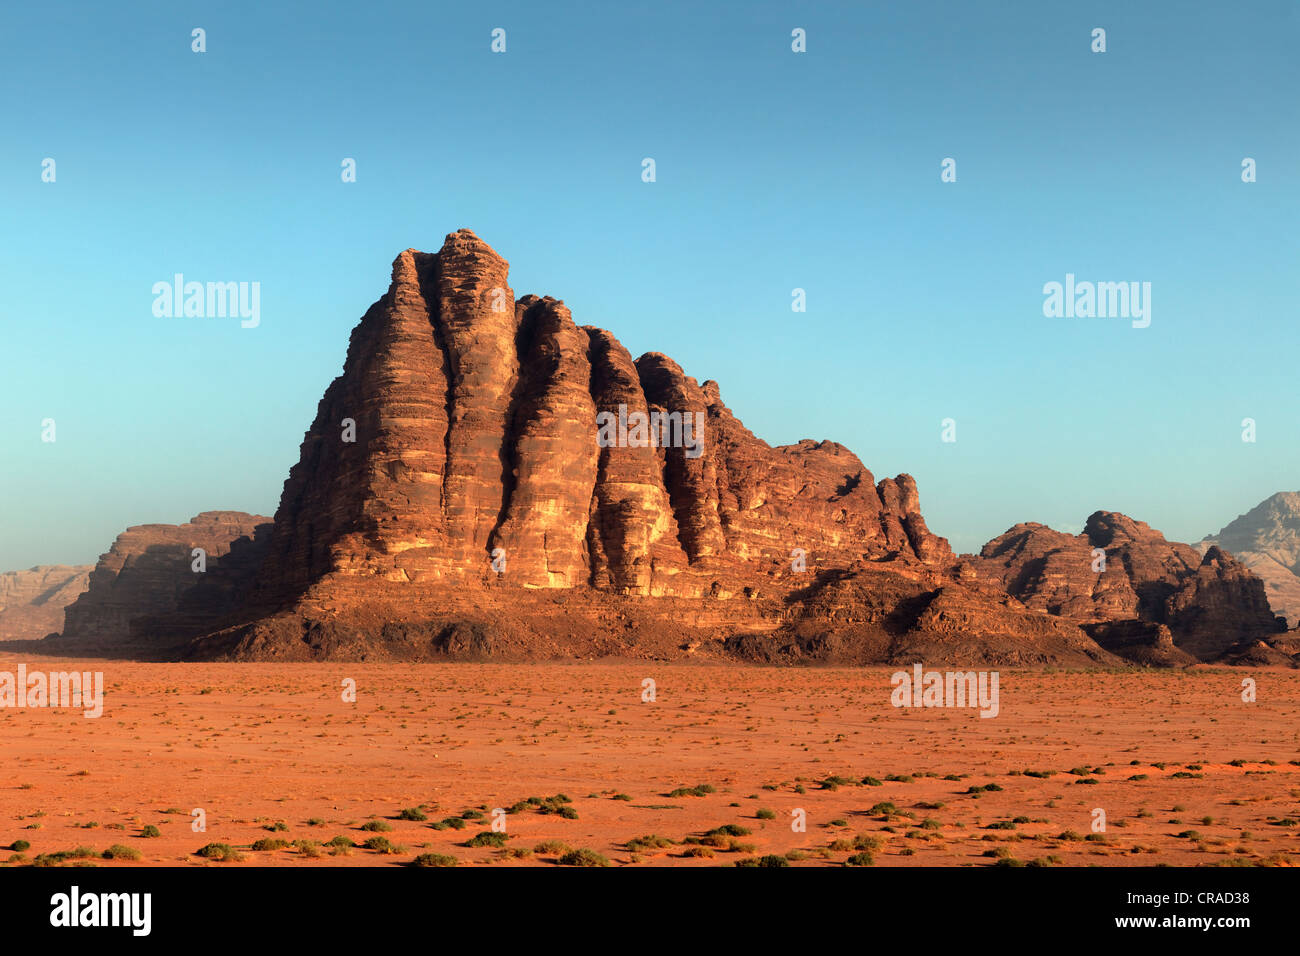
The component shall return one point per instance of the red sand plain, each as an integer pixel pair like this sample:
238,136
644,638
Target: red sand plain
274,752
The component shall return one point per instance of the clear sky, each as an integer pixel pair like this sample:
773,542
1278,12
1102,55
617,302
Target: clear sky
775,170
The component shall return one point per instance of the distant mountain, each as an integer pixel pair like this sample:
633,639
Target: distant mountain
32,601
1267,540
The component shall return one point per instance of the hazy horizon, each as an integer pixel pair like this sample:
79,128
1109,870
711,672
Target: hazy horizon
775,171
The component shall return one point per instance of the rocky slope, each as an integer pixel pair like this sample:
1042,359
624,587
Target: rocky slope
32,601
1266,539
149,572
1132,590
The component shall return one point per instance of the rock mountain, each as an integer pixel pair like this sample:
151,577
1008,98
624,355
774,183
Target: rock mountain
1266,539
453,499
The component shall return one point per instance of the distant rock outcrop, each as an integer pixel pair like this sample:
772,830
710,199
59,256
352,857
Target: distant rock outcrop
149,572
1266,539
1131,588
32,601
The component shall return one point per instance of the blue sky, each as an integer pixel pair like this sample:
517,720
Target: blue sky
775,170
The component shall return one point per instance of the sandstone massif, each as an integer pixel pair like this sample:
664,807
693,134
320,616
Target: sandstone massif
1266,539
462,494
32,601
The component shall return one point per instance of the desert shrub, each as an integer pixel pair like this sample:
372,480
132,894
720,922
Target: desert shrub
651,842
119,852
222,852
583,858
699,791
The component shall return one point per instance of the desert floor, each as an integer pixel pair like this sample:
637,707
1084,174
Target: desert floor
1185,771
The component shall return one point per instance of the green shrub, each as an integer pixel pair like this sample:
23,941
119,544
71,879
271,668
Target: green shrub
222,852
583,858
380,844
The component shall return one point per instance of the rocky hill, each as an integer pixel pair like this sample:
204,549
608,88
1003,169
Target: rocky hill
1266,539
1131,589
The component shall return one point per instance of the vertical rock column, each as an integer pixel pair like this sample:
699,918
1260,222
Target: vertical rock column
551,452
475,322
633,533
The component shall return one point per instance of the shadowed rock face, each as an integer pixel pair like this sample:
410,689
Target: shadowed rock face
1266,539
32,601
1207,604
149,571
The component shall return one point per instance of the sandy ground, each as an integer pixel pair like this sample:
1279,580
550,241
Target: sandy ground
1185,771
